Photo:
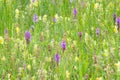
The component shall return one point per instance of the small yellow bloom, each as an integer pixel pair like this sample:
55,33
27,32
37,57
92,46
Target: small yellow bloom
40,18
56,77
76,59
29,67
115,30
48,59
56,16
69,39
105,54
117,65
96,5
17,11
36,4
44,18
67,74
75,67
100,78
68,32
3,58
9,75
17,30
20,69
1,40
33,78
74,43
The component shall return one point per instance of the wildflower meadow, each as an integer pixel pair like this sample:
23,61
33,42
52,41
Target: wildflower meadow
59,39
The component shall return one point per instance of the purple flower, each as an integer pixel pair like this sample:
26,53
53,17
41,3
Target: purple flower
27,37
118,23
33,1
35,18
57,58
63,45
54,19
80,34
114,17
6,31
97,31
75,12
82,4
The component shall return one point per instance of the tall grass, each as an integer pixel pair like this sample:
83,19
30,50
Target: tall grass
88,57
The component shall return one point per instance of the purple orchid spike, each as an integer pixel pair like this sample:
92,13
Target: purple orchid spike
97,31
82,4
6,31
33,1
57,58
35,18
63,45
118,23
75,12
80,34
27,37
114,17
54,19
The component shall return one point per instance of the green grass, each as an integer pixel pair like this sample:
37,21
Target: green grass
90,57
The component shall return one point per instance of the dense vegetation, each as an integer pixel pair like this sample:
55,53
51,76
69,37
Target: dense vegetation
59,40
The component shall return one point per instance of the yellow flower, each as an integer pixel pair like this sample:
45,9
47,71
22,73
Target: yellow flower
48,59
29,67
1,40
17,30
36,4
75,43
68,32
56,16
33,78
9,75
56,77
40,18
96,5
115,30
106,53
17,11
20,69
69,39
76,59
100,78
75,67
44,18
67,74
117,65
3,58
